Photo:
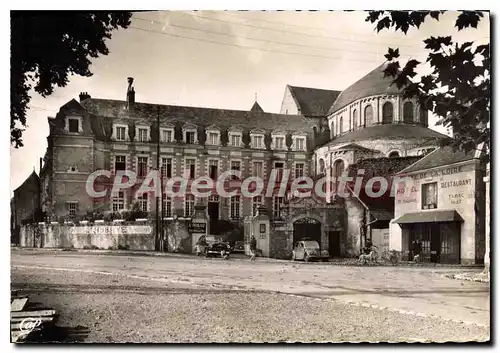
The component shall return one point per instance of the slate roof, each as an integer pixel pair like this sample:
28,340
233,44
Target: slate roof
32,179
440,157
313,101
223,118
388,131
372,84
256,108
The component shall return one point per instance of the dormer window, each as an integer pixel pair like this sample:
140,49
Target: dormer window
235,139
190,134
278,142
167,135
142,134
73,124
120,132
213,137
299,143
257,141
190,137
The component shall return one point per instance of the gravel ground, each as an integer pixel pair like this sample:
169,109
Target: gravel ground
119,309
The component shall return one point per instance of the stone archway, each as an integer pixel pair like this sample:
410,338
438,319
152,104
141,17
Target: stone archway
307,227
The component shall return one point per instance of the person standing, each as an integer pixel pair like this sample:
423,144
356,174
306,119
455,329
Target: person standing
417,250
253,248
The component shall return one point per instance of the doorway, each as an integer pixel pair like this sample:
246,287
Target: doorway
334,243
307,228
213,213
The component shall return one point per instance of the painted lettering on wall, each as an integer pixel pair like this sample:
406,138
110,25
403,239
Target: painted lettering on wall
455,183
456,198
438,173
112,230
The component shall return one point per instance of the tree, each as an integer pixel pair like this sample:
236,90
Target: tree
47,47
458,89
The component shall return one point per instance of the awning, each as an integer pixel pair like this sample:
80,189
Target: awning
430,216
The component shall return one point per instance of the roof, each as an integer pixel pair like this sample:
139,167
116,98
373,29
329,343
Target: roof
313,101
257,108
388,131
33,178
222,118
371,84
439,157
430,216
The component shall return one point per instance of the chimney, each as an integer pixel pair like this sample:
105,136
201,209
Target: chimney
83,96
130,94
40,170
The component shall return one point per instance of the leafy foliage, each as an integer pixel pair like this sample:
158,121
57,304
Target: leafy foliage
47,47
457,90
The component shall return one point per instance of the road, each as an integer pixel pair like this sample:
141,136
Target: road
419,301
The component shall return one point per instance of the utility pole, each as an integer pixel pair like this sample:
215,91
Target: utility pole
158,232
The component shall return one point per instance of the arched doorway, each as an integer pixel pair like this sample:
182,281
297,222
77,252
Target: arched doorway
307,228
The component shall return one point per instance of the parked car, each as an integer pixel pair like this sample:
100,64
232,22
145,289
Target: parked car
239,247
215,245
309,250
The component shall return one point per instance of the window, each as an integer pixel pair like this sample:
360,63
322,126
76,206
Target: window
408,112
299,170
167,135
191,168
277,206
213,138
332,130
300,143
235,140
279,170
119,201
120,133
321,166
279,142
338,168
143,202
257,169
387,113
256,203
142,134
72,206
368,115
424,116
190,137
235,207
354,119
429,196
258,141
73,125
120,163
189,206
213,166
167,206
142,166
166,167
236,166
341,126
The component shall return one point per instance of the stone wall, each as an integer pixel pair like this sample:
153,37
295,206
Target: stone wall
137,236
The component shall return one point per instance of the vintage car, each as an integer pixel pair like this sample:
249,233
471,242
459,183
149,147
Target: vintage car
215,245
239,247
309,250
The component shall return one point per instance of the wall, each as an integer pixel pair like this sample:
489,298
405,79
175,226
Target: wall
355,215
457,189
139,236
288,105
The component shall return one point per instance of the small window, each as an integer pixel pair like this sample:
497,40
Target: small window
120,133
191,168
300,143
167,206
429,196
235,207
190,137
257,169
279,166
341,126
213,138
279,142
278,204
119,201
143,202
166,136
354,118
213,166
258,141
235,140
408,112
338,168
143,135
120,163
73,125
189,206
387,113
256,203
142,166
236,166
368,115
299,170
166,167
72,207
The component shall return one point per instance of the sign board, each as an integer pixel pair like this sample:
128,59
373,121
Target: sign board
198,227
111,230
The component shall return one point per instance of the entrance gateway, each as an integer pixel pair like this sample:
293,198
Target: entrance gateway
307,228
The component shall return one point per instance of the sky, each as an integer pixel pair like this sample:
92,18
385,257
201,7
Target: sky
177,58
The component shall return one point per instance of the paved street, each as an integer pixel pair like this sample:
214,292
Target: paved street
188,299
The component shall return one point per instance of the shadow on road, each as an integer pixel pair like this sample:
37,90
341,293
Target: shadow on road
59,334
